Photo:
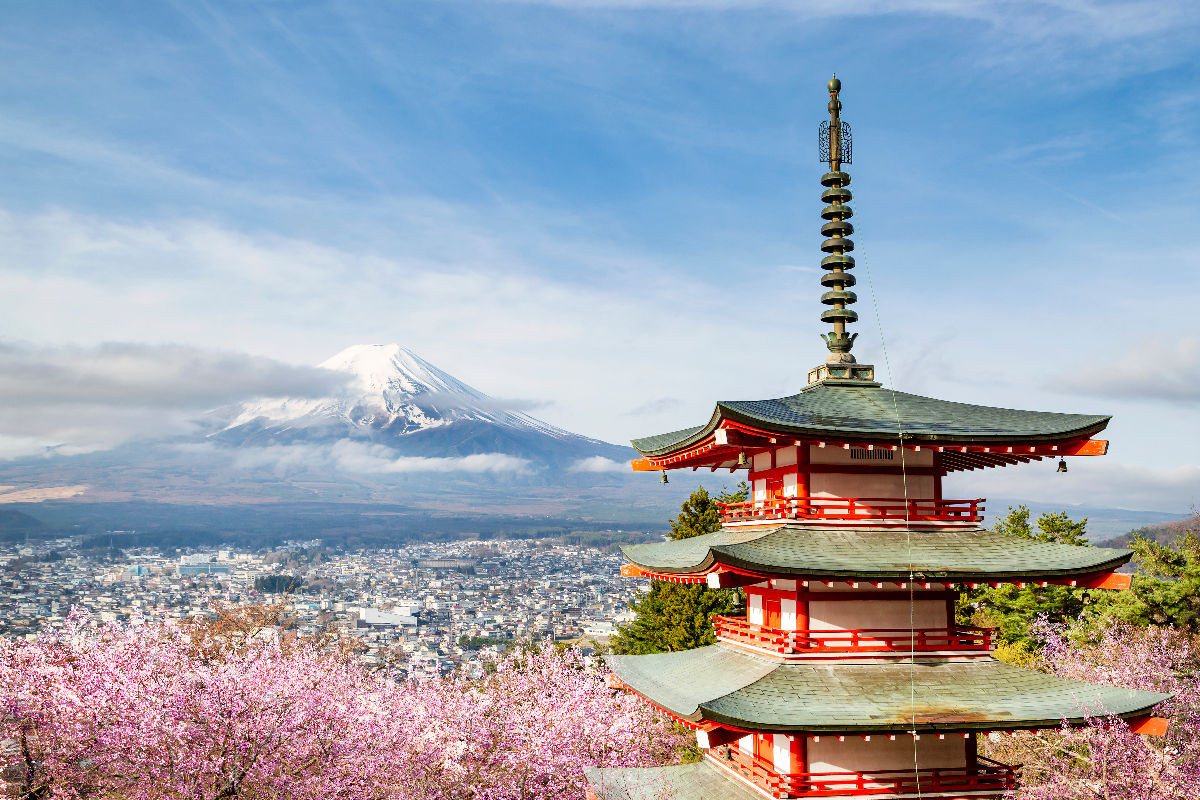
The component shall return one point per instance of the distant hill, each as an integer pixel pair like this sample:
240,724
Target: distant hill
1163,533
14,524
1104,524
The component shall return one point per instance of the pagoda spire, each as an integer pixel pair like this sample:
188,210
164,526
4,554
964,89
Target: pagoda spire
836,150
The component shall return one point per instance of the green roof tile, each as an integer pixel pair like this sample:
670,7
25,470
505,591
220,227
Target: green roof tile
937,554
699,781
869,413
941,695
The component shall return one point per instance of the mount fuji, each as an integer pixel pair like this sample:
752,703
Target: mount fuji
396,399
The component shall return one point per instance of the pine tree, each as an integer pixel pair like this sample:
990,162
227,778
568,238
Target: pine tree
1011,609
677,616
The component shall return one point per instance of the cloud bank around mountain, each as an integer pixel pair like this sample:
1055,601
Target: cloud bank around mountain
353,457
72,399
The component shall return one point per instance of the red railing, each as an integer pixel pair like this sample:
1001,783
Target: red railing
854,508
986,776
922,640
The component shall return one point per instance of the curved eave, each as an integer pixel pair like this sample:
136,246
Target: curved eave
1058,428
815,552
724,686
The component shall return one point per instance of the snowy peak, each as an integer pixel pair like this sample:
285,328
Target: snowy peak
380,370
389,390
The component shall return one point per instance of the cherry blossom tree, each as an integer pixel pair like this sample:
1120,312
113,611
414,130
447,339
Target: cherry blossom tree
1105,759
148,713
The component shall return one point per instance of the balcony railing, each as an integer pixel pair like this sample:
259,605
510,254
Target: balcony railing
923,640
986,776
838,509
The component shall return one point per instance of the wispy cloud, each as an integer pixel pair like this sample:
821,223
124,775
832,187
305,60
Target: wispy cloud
662,405
1167,371
599,464
353,457
1091,481
83,398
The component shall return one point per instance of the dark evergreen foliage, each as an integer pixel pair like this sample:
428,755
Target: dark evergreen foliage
277,584
677,616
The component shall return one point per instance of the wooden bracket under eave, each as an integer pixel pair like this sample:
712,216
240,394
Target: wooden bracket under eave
643,465
1149,726
716,737
724,579
633,571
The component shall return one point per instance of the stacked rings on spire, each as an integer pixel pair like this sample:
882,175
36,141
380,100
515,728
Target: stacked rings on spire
838,244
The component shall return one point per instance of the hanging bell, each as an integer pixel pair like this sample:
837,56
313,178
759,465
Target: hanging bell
742,461
1062,465
663,479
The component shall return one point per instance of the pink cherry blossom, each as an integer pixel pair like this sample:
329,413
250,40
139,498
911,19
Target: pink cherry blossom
138,712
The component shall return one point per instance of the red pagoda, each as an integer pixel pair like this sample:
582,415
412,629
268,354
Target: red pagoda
848,676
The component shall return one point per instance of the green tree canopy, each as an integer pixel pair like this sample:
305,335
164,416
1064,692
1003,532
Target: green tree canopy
677,616
1166,590
1011,609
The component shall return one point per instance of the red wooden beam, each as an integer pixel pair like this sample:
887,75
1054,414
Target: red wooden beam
1091,447
1149,726
1109,580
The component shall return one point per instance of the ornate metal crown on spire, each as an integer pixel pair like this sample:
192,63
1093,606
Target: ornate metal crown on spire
835,148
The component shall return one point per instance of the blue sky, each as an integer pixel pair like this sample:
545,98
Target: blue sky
609,207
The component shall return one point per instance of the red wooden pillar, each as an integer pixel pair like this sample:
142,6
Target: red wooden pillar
802,474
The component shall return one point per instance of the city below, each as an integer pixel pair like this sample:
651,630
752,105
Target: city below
430,609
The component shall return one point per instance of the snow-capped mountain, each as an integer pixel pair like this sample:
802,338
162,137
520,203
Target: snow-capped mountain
396,398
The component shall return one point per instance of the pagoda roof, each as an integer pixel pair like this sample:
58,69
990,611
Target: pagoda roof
739,689
700,780
888,554
853,410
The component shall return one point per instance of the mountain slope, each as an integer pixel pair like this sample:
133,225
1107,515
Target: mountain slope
397,399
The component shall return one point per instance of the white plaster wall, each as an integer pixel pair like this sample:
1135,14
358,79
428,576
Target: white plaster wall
840,455
789,485
880,753
833,484
842,615
781,749
746,744
787,614
754,609
760,461
760,490
785,456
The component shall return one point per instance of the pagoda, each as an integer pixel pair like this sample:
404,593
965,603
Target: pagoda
848,676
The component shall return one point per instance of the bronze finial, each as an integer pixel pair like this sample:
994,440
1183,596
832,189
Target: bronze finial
835,149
